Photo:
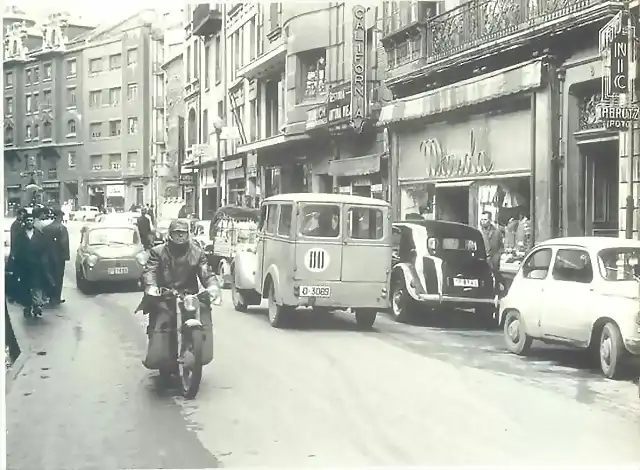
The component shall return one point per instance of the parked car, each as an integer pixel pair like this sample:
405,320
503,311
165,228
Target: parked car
438,263
109,253
232,229
326,251
85,214
578,291
114,218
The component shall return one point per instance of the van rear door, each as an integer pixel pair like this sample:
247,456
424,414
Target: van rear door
366,254
318,251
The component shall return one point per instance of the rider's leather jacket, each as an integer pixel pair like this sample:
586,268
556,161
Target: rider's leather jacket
180,272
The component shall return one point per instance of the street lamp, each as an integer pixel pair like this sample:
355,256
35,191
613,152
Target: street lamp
217,128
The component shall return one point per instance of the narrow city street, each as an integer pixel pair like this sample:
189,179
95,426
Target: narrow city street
318,394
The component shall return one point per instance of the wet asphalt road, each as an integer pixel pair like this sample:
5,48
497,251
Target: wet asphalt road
319,394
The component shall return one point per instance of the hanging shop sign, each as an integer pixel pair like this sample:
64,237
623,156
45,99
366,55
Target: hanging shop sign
359,69
50,185
616,59
441,163
115,190
187,180
339,105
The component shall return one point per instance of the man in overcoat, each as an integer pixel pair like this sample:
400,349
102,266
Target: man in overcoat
56,255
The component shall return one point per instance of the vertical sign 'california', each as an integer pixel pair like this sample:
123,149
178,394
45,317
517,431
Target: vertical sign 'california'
359,69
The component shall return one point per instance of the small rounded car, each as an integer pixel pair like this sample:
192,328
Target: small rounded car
578,291
109,253
438,263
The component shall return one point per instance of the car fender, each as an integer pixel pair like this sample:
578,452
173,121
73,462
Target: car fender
244,270
409,276
274,273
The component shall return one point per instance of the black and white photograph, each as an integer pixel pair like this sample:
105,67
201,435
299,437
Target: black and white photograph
315,234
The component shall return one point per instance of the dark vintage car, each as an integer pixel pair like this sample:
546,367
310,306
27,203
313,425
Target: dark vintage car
109,254
436,263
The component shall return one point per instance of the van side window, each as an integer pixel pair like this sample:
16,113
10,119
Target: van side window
366,223
537,265
272,219
573,266
320,220
263,217
284,223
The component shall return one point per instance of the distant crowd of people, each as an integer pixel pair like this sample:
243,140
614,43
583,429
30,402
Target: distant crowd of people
36,264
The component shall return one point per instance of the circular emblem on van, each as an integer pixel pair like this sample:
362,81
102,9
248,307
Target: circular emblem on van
316,260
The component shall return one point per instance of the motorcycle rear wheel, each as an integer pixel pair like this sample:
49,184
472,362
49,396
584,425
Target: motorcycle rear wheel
190,363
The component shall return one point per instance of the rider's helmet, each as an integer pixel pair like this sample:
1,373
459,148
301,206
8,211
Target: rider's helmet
178,233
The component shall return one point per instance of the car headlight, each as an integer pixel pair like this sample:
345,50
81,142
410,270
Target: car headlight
92,260
142,257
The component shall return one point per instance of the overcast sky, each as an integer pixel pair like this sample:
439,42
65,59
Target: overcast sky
93,12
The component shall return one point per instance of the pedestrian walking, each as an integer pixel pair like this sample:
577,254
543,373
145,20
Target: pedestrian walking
493,243
144,228
66,211
12,282
56,256
28,255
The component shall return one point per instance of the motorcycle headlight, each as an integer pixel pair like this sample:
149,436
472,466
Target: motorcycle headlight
190,303
92,260
142,257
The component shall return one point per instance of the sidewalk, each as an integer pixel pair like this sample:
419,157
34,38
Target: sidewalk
13,368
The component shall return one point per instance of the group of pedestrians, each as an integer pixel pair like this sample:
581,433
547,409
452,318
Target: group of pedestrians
36,264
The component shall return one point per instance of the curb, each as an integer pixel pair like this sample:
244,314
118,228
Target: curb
23,343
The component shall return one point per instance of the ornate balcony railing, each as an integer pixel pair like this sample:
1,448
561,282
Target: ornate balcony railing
479,22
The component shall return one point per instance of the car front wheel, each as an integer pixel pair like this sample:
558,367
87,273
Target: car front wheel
515,336
401,301
611,351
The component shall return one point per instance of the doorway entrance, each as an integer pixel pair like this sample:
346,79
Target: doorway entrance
601,188
452,204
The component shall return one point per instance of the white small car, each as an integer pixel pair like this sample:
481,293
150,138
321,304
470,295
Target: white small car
578,291
86,214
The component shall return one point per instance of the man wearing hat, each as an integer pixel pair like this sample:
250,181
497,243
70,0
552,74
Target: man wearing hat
56,255
12,284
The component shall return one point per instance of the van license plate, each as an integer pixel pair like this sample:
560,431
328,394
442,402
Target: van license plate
118,270
315,291
457,282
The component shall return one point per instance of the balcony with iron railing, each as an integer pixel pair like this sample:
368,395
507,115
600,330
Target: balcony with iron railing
206,21
418,41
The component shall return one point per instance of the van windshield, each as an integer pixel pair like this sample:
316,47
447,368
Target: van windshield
320,220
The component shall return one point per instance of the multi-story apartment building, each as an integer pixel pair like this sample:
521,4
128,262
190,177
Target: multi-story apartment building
292,67
203,48
496,111
40,120
87,120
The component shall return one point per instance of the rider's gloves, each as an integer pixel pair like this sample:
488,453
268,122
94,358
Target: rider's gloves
152,291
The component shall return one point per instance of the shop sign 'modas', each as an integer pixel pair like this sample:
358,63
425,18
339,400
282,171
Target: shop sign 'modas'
440,164
358,69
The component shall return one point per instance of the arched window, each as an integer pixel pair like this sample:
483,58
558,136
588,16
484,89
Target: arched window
8,135
71,127
36,131
47,130
193,129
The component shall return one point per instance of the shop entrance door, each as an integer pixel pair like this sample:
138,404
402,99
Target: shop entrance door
452,204
601,188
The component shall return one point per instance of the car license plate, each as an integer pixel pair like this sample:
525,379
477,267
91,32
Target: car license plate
315,291
118,270
458,282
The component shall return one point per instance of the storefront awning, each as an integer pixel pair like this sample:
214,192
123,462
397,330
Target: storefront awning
356,166
505,82
454,184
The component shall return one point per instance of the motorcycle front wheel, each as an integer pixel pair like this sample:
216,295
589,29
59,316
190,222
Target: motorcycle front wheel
190,362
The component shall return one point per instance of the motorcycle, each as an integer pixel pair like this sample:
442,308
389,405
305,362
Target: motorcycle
181,337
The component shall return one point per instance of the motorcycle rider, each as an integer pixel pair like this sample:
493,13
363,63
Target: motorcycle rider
179,263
